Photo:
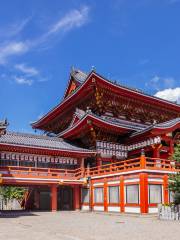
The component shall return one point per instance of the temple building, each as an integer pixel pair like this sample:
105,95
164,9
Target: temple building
105,147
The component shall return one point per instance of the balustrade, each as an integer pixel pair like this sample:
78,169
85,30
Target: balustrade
120,166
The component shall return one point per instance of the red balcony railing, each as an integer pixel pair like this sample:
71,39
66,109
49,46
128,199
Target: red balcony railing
113,168
134,164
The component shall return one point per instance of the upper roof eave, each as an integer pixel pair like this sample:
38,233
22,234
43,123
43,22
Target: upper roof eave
40,122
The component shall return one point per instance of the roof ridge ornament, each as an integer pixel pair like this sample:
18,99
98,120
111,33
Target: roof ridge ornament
88,110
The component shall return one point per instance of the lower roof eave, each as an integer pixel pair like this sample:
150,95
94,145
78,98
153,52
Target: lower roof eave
48,151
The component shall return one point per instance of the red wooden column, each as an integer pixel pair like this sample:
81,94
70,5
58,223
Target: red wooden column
122,193
76,197
165,189
143,177
105,197
54,198
156,150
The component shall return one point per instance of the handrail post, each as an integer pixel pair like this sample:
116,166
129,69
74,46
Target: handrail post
142,159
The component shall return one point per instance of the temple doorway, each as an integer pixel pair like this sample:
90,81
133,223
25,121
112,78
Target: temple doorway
65,198
45,200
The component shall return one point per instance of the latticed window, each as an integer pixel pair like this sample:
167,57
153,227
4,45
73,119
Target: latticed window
98,195
155,193
113,194
132,193
85,195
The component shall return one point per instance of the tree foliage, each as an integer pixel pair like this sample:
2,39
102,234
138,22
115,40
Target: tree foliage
176,155
174,179
11,192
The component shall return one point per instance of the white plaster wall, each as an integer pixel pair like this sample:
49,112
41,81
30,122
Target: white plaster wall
153,210
85,208
131,180
113,209
98,184
114,182
132,209
155,180
98,208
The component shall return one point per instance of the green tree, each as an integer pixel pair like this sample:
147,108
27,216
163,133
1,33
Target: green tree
176,155
174,179
11,192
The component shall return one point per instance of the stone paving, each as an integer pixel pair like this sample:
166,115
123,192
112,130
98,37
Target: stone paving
85,226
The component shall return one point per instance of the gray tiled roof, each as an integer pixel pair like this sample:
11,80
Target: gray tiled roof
112,120
163,125
131,126
32,140
124,123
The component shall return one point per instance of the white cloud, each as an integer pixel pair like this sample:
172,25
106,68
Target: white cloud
14,29
29,71
171,94
158,82
73,19
23,81
12,49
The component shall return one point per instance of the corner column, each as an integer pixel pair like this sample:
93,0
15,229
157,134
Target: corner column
165,189
54,198
143,181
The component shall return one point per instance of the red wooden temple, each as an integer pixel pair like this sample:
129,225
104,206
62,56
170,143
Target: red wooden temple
105,147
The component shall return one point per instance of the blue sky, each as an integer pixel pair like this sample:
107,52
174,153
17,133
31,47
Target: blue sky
136,42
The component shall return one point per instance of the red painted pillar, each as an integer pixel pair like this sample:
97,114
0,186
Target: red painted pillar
156,151
105,197
143,192
165,189
76,197
54,198
122,193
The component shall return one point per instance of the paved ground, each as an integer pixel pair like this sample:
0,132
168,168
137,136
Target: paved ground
86,226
